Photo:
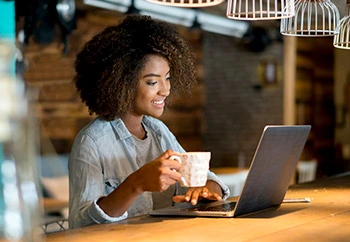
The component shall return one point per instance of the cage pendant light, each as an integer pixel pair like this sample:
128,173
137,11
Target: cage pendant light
259,9
342,40
187,3
312,18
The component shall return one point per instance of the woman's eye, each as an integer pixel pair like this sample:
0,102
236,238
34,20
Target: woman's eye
151,83
168,78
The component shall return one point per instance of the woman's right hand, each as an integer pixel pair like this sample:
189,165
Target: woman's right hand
158,174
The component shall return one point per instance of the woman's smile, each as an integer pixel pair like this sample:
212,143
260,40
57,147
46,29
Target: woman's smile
159,103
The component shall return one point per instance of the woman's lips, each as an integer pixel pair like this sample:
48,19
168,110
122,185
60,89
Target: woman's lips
158,103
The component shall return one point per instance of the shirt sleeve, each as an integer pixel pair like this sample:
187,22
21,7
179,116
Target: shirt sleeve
225,189
96,212
86,186
92,214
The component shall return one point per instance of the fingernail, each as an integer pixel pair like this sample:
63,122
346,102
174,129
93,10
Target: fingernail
187,199
193,202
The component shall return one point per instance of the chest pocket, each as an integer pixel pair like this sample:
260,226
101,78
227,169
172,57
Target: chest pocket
110,185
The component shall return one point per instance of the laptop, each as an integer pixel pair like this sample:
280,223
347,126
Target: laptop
268,179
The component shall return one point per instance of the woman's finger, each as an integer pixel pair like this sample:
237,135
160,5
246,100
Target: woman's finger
179,199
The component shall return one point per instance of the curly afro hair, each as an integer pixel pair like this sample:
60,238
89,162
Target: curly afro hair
108,66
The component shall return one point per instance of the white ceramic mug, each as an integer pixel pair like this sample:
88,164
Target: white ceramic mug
194,168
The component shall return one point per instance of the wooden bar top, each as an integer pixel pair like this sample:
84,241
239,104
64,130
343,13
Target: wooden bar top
326,218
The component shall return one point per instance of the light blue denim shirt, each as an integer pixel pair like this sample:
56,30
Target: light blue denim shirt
102,157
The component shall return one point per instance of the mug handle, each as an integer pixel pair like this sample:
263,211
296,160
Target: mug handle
177,158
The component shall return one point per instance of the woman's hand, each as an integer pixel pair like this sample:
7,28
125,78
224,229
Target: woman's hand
211,191
158,174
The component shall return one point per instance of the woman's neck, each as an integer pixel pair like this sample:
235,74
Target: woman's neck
134,125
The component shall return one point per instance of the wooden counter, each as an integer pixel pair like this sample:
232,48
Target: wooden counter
326,218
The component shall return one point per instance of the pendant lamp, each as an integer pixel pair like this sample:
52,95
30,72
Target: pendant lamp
313,18
342,40
187,3
260,9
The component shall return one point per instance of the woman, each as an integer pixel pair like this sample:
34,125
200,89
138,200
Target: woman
119,164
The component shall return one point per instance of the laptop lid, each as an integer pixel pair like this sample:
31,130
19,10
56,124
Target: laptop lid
272,167
271,170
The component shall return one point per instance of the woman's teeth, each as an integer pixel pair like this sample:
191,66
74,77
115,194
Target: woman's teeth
158,102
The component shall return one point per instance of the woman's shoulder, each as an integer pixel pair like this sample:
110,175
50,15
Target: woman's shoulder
97,123
96,128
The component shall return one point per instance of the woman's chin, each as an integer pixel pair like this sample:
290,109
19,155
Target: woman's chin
156,114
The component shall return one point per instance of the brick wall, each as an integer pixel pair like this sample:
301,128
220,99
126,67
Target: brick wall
237,105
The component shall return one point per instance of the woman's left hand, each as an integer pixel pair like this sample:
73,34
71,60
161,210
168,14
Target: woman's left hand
211,191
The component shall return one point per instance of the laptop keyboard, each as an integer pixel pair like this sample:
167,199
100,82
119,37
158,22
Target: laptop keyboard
218,208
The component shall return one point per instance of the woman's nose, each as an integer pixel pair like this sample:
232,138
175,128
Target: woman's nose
165,88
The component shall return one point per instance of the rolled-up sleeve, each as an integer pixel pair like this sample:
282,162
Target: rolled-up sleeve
224,187
92,214
100,216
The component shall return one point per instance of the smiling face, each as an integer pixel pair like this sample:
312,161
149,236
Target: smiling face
153,87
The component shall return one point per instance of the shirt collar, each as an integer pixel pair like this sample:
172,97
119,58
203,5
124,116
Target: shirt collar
123,133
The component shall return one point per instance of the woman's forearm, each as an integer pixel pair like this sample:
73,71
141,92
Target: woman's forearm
119,201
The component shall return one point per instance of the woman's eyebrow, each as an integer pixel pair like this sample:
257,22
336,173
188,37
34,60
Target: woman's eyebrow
151,75
156,75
